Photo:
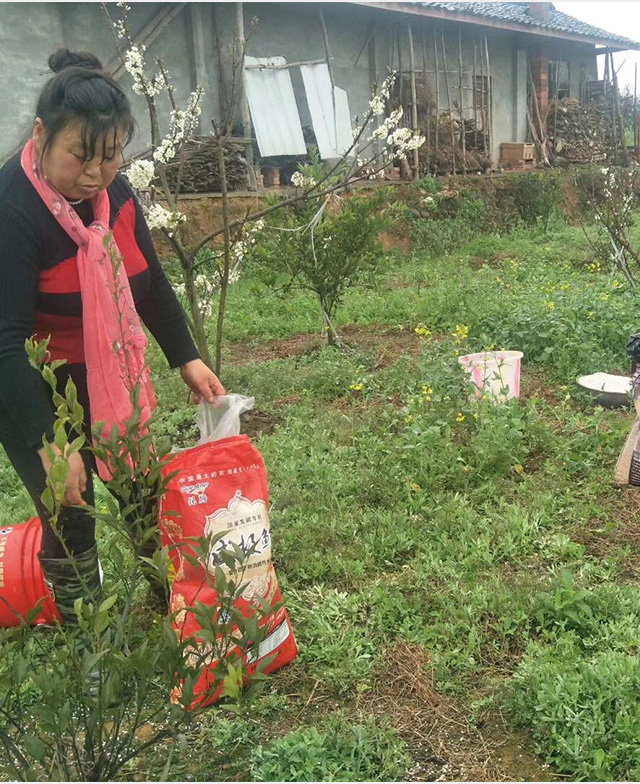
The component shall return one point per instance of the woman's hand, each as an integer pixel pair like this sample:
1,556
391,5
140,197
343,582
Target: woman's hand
201,380
76,483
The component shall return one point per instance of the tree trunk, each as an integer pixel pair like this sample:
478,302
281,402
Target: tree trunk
224,278
197,320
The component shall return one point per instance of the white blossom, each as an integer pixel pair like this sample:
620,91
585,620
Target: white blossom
301,180
180,126
376,104
140,174
160,218
399,137
134,64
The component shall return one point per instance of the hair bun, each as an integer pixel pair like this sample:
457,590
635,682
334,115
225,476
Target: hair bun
63,58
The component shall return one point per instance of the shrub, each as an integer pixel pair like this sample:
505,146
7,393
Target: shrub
326,248
536,196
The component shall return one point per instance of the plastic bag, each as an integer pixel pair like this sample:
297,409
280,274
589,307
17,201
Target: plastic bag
220,486
221,419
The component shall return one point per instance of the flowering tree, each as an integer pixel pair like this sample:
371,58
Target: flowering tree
148,177
377,142
612,196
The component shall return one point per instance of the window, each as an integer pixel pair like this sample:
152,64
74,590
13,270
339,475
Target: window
558,79
482,99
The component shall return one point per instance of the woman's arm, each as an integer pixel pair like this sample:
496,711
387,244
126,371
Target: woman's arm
23,394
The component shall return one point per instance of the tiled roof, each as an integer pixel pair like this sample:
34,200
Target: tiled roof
518,13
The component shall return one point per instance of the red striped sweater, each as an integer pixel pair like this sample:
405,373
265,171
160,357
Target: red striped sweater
40,292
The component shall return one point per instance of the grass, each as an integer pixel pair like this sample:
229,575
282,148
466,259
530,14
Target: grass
461,577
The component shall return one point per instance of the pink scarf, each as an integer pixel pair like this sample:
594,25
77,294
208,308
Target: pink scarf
114,341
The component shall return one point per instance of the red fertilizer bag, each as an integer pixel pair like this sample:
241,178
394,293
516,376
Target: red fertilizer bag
220,487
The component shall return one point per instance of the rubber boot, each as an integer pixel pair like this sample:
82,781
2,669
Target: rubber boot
70,579
73,578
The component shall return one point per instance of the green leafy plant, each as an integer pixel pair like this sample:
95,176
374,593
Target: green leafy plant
536,197
343,752
327,246
73,705
564,606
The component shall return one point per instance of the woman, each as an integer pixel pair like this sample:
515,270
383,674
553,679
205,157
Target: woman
63,182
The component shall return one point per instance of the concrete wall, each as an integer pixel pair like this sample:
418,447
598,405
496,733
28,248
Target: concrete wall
29,32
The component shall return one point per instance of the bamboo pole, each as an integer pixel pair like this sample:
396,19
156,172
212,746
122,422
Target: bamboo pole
542,136
616,98
222,90
483,113
327,51
635,109
556,93
446,81
414,102
613,107
462,126
242,98
475,100
400,73
489,101
392,59
424,84
437,140
405,169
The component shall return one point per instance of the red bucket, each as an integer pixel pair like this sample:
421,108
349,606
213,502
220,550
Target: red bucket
21,580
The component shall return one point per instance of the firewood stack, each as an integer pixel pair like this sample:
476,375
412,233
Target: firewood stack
200,171
580,133
440,159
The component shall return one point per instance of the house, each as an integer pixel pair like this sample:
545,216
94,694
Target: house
465,69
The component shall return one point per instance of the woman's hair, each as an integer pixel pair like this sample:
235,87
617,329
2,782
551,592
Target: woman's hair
81,91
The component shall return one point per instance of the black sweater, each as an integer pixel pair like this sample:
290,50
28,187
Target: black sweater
40,292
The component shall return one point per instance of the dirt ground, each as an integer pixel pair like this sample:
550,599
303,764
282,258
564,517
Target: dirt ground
387,343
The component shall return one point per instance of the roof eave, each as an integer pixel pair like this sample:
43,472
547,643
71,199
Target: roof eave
499,24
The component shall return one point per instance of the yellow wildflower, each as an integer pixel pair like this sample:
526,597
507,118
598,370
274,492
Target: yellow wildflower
461,333
422,331
356,387
460,417
408,419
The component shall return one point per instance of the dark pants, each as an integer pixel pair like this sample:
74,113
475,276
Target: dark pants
75,526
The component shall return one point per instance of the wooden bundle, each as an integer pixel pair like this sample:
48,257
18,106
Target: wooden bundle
580,133
442,159
200,173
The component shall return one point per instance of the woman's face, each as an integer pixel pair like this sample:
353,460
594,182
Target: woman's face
65,167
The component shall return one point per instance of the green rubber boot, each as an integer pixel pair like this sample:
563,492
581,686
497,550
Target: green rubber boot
73,578
70,579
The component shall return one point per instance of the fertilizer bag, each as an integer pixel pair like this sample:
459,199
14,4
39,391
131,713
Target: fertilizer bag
220,487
